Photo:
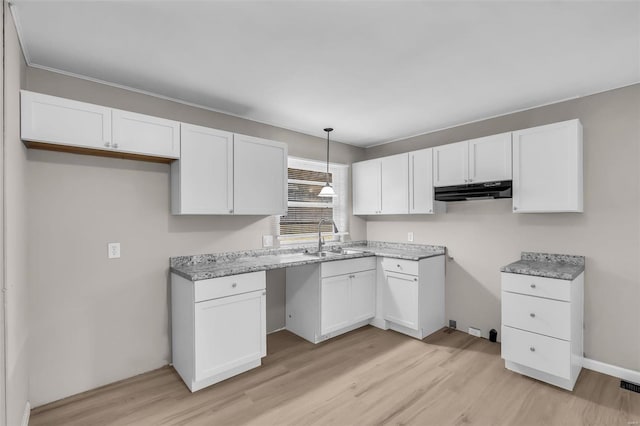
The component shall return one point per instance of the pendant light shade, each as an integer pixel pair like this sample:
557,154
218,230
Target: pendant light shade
327,189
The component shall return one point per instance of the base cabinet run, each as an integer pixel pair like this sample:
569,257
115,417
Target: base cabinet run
542,321
218,326
326,300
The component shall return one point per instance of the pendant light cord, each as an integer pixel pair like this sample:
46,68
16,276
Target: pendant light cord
328,130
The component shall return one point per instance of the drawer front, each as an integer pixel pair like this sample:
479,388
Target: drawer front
537,286
543,316
229,286
400,265
546,354
347,266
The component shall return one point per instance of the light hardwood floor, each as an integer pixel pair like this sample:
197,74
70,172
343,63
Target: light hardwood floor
365,377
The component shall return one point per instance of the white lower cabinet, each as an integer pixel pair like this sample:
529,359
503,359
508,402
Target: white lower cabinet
218,327
542,320
412,295
326,300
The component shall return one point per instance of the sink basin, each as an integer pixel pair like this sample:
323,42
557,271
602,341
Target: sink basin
325,254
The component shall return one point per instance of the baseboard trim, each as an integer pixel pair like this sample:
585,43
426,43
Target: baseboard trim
26,414
612,370
276,330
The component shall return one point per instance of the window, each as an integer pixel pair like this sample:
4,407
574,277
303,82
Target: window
305,208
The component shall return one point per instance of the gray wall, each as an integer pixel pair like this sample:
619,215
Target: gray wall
15,229
93,320
484,235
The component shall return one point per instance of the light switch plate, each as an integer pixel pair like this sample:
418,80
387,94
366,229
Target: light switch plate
113,250
267,241
410,237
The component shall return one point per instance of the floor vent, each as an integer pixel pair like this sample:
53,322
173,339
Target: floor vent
630,386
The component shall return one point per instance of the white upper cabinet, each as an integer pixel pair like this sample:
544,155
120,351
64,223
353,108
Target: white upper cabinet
366,187
381,186
60,121
259,176
394,184
144,134
475,161
451,164
421,184
202,179
490,158
50,122
547,168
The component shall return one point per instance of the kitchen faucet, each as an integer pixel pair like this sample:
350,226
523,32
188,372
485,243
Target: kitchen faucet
320,238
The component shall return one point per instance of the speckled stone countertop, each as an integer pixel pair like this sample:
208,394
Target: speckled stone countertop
560,266
205,266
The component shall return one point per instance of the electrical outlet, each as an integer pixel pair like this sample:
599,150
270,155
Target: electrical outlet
113,250
267,241
410,237
475,332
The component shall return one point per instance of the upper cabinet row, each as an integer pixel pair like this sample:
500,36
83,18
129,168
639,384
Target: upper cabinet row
61,123
545,166
212,171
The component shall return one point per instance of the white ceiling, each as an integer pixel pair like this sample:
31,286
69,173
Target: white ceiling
376,71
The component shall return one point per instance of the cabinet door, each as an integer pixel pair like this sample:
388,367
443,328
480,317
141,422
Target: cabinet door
421,181
259,176
394,183
450,164
144,134
490,158
401,299
229,332
363,296
64,122
547,168
202,180
335,312
366,187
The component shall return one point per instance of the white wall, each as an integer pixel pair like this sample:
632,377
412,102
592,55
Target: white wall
94,320
482,236
15,229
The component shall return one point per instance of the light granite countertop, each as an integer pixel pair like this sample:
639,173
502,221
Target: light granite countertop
206,266
559,266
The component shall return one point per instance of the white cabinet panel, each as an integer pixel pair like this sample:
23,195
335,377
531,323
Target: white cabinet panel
421,181
450,164
543,337
366,187
259,176
229,332
401,300
363,296
62,121
221,337
202,179
144,134
381,186
490,158
335,312
321,305
394,184
547,168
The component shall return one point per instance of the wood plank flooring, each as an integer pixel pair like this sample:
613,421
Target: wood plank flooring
366,377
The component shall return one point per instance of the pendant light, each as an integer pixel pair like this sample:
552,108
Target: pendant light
327,189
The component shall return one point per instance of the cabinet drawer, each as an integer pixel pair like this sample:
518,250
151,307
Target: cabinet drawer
348,266
536,314
537,286
230,285
400,265
546,354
